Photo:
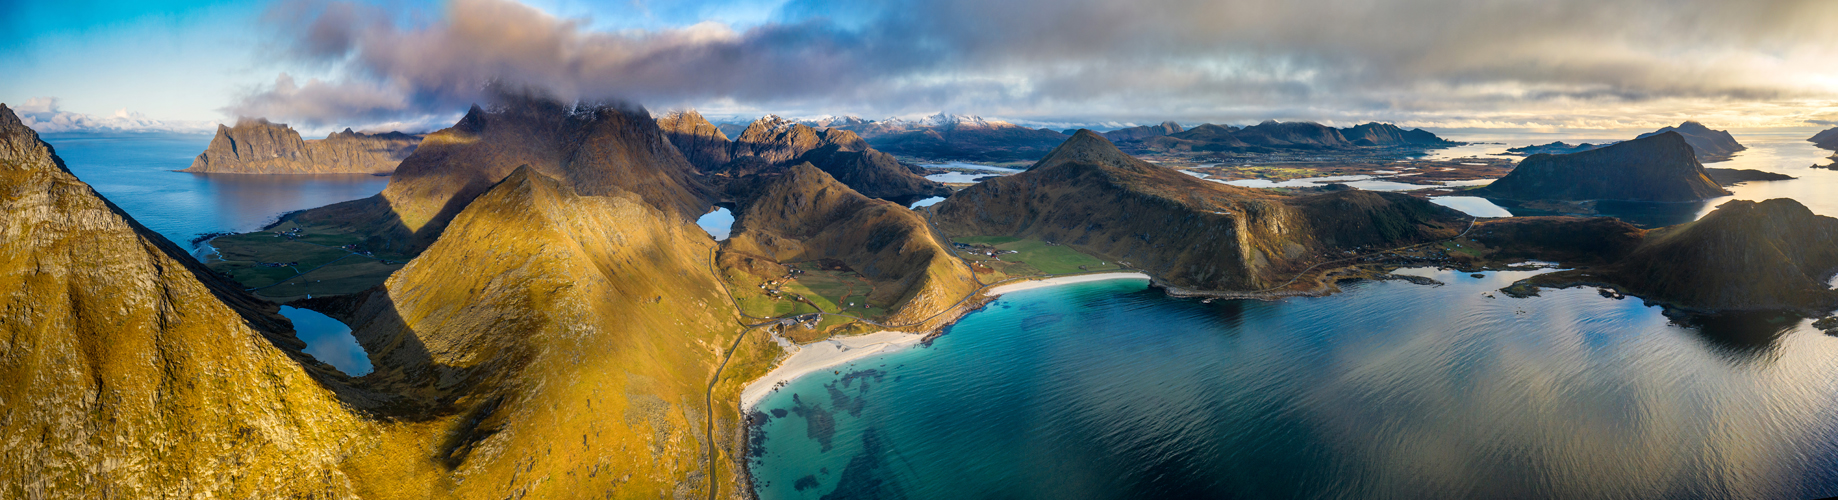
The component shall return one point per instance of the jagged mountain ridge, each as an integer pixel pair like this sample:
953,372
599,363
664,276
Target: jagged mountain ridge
1184,231
261,147
595,149
772,144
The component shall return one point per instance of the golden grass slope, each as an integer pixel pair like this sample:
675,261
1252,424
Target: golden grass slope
804,214
126,375
557,346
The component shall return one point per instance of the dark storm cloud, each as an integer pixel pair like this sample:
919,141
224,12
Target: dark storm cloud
1438,58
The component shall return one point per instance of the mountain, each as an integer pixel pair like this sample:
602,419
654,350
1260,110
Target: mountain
772,144
1293,135
555,344
1206,137
593,149
1656,168
701,142
1184,231
804,214
1142,132
133,371
1711,145
1743,255
1827,139
957,137
1384,134
1556,148
260,147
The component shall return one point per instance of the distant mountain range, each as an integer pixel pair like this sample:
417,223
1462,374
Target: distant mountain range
1708,145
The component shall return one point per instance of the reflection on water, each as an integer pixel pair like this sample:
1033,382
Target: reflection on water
959,177
329,340
927,202
136,172
1472,205
972,166
1391,390
719,223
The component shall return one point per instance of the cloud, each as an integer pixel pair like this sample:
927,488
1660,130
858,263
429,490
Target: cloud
43,115
1444,61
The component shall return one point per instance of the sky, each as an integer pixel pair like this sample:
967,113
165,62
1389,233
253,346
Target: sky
1530,65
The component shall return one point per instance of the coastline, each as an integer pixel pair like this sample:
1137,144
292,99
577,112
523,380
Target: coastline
825,354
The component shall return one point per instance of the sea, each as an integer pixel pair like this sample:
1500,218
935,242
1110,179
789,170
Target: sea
137,171
1113,390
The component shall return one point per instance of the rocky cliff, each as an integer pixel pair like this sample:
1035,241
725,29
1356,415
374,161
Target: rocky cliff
804,214
701,142
593,149
1659,168
133,373
1184,231
260,147
1710,145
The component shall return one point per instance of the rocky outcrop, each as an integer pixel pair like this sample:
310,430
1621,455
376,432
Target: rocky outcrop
1141,132
804,214
1710,145
261,147
1661,168
1388,135
701,142
1186,232
592,149
131,372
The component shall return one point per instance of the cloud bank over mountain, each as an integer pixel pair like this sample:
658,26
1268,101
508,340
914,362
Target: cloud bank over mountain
1555,63
42,114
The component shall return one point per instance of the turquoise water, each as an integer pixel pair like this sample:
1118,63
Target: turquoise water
136,172
1390,390
329,340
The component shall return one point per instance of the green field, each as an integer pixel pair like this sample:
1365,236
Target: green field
328,269
1032,257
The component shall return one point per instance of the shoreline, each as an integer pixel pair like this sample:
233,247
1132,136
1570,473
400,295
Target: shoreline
825,354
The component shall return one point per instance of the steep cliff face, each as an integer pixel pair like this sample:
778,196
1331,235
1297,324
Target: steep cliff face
1744,255
260,147
1185,231
132,373
701,142
1661,168
772,145
593,149
1710,145
804,214
562,346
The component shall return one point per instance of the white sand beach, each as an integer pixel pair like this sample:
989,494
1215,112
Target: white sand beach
827,354
1064,280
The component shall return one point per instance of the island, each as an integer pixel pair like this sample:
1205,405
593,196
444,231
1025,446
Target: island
257,146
